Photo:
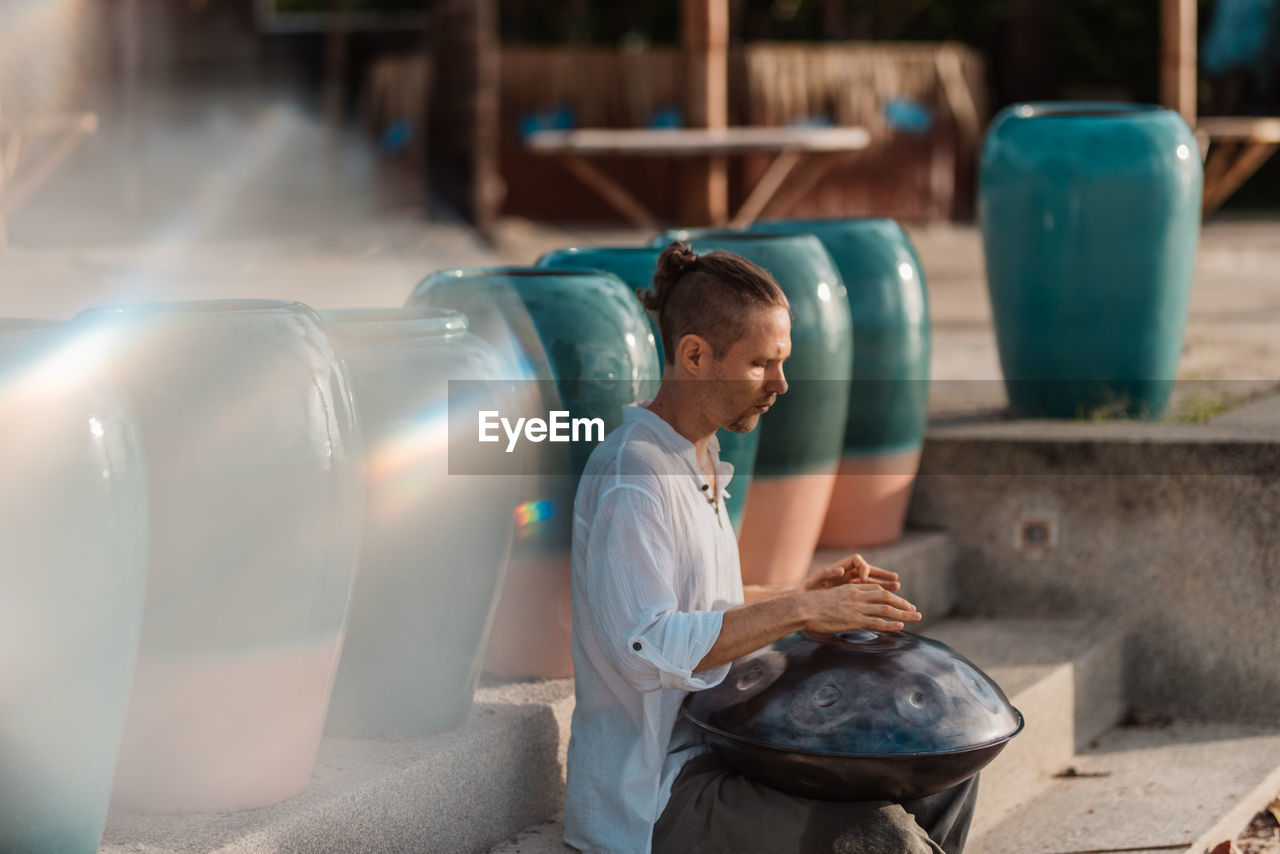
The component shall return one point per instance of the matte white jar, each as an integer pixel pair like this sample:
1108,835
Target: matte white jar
253,453
437,528
73,548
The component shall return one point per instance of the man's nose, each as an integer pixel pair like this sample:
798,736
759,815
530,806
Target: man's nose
776,382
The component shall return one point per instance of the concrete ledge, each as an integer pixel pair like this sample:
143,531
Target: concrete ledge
1191,784
545,838
1065,678
1168,527
461,791
1263,413
1245,446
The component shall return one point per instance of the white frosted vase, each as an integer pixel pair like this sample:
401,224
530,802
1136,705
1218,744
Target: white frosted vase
73,530
437,529
253,454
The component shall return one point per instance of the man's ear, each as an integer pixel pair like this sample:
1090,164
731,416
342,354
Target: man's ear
693,353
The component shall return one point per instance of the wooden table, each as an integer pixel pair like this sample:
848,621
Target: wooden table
1234,147
817,148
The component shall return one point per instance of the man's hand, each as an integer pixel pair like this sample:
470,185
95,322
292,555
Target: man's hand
850,570
847,595
857,605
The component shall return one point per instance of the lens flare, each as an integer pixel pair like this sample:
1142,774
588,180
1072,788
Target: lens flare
395,467
532,516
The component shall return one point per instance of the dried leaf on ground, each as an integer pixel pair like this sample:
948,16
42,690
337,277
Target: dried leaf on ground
1075,772
1262,836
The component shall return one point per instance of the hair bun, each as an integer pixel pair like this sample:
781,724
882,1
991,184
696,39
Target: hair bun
676,258
675,261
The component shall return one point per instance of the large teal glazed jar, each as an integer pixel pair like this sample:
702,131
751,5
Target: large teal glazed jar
889,395
256,500
802,436
1090,216
581,333
436,533
584,335
636,265
73,575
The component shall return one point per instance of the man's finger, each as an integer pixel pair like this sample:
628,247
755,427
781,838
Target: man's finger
851,561
892,613
878,594
897,601
884,625
828,576
860,566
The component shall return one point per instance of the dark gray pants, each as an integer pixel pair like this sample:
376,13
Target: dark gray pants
715,810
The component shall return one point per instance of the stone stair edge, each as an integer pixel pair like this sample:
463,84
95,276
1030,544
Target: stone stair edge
1065,675
1147,785
1037,680
512,744
914,539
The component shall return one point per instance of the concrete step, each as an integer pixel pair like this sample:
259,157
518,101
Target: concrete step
1063,675
923,559
1181,783
460,791
544,838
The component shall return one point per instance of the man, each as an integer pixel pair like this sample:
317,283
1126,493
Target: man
659,608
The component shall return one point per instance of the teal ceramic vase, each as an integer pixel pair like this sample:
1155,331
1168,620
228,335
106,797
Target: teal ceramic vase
256,501
692,233
585,337
73,559
435,546
888,399
802,436
636,265
1090,216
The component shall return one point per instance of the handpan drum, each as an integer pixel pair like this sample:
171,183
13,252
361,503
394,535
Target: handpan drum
861,715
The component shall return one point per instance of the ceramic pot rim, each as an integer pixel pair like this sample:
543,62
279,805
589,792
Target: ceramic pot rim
26,324
513,273
725,241
374,322
729,234
591,250
195,307
799,224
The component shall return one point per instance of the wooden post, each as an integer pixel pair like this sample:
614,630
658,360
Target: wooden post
704,199
335,64
463,121
1178,57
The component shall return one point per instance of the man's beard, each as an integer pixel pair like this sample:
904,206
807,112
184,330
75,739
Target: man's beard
746,423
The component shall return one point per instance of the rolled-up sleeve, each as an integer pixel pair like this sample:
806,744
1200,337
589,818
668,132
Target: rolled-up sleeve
634,612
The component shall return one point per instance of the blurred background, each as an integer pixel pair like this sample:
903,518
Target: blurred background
225,118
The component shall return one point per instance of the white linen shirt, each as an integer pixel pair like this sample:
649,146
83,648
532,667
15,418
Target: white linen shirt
654,568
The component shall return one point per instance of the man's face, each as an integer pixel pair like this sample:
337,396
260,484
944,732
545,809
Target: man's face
749,377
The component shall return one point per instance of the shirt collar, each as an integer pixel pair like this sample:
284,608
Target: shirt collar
673,441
